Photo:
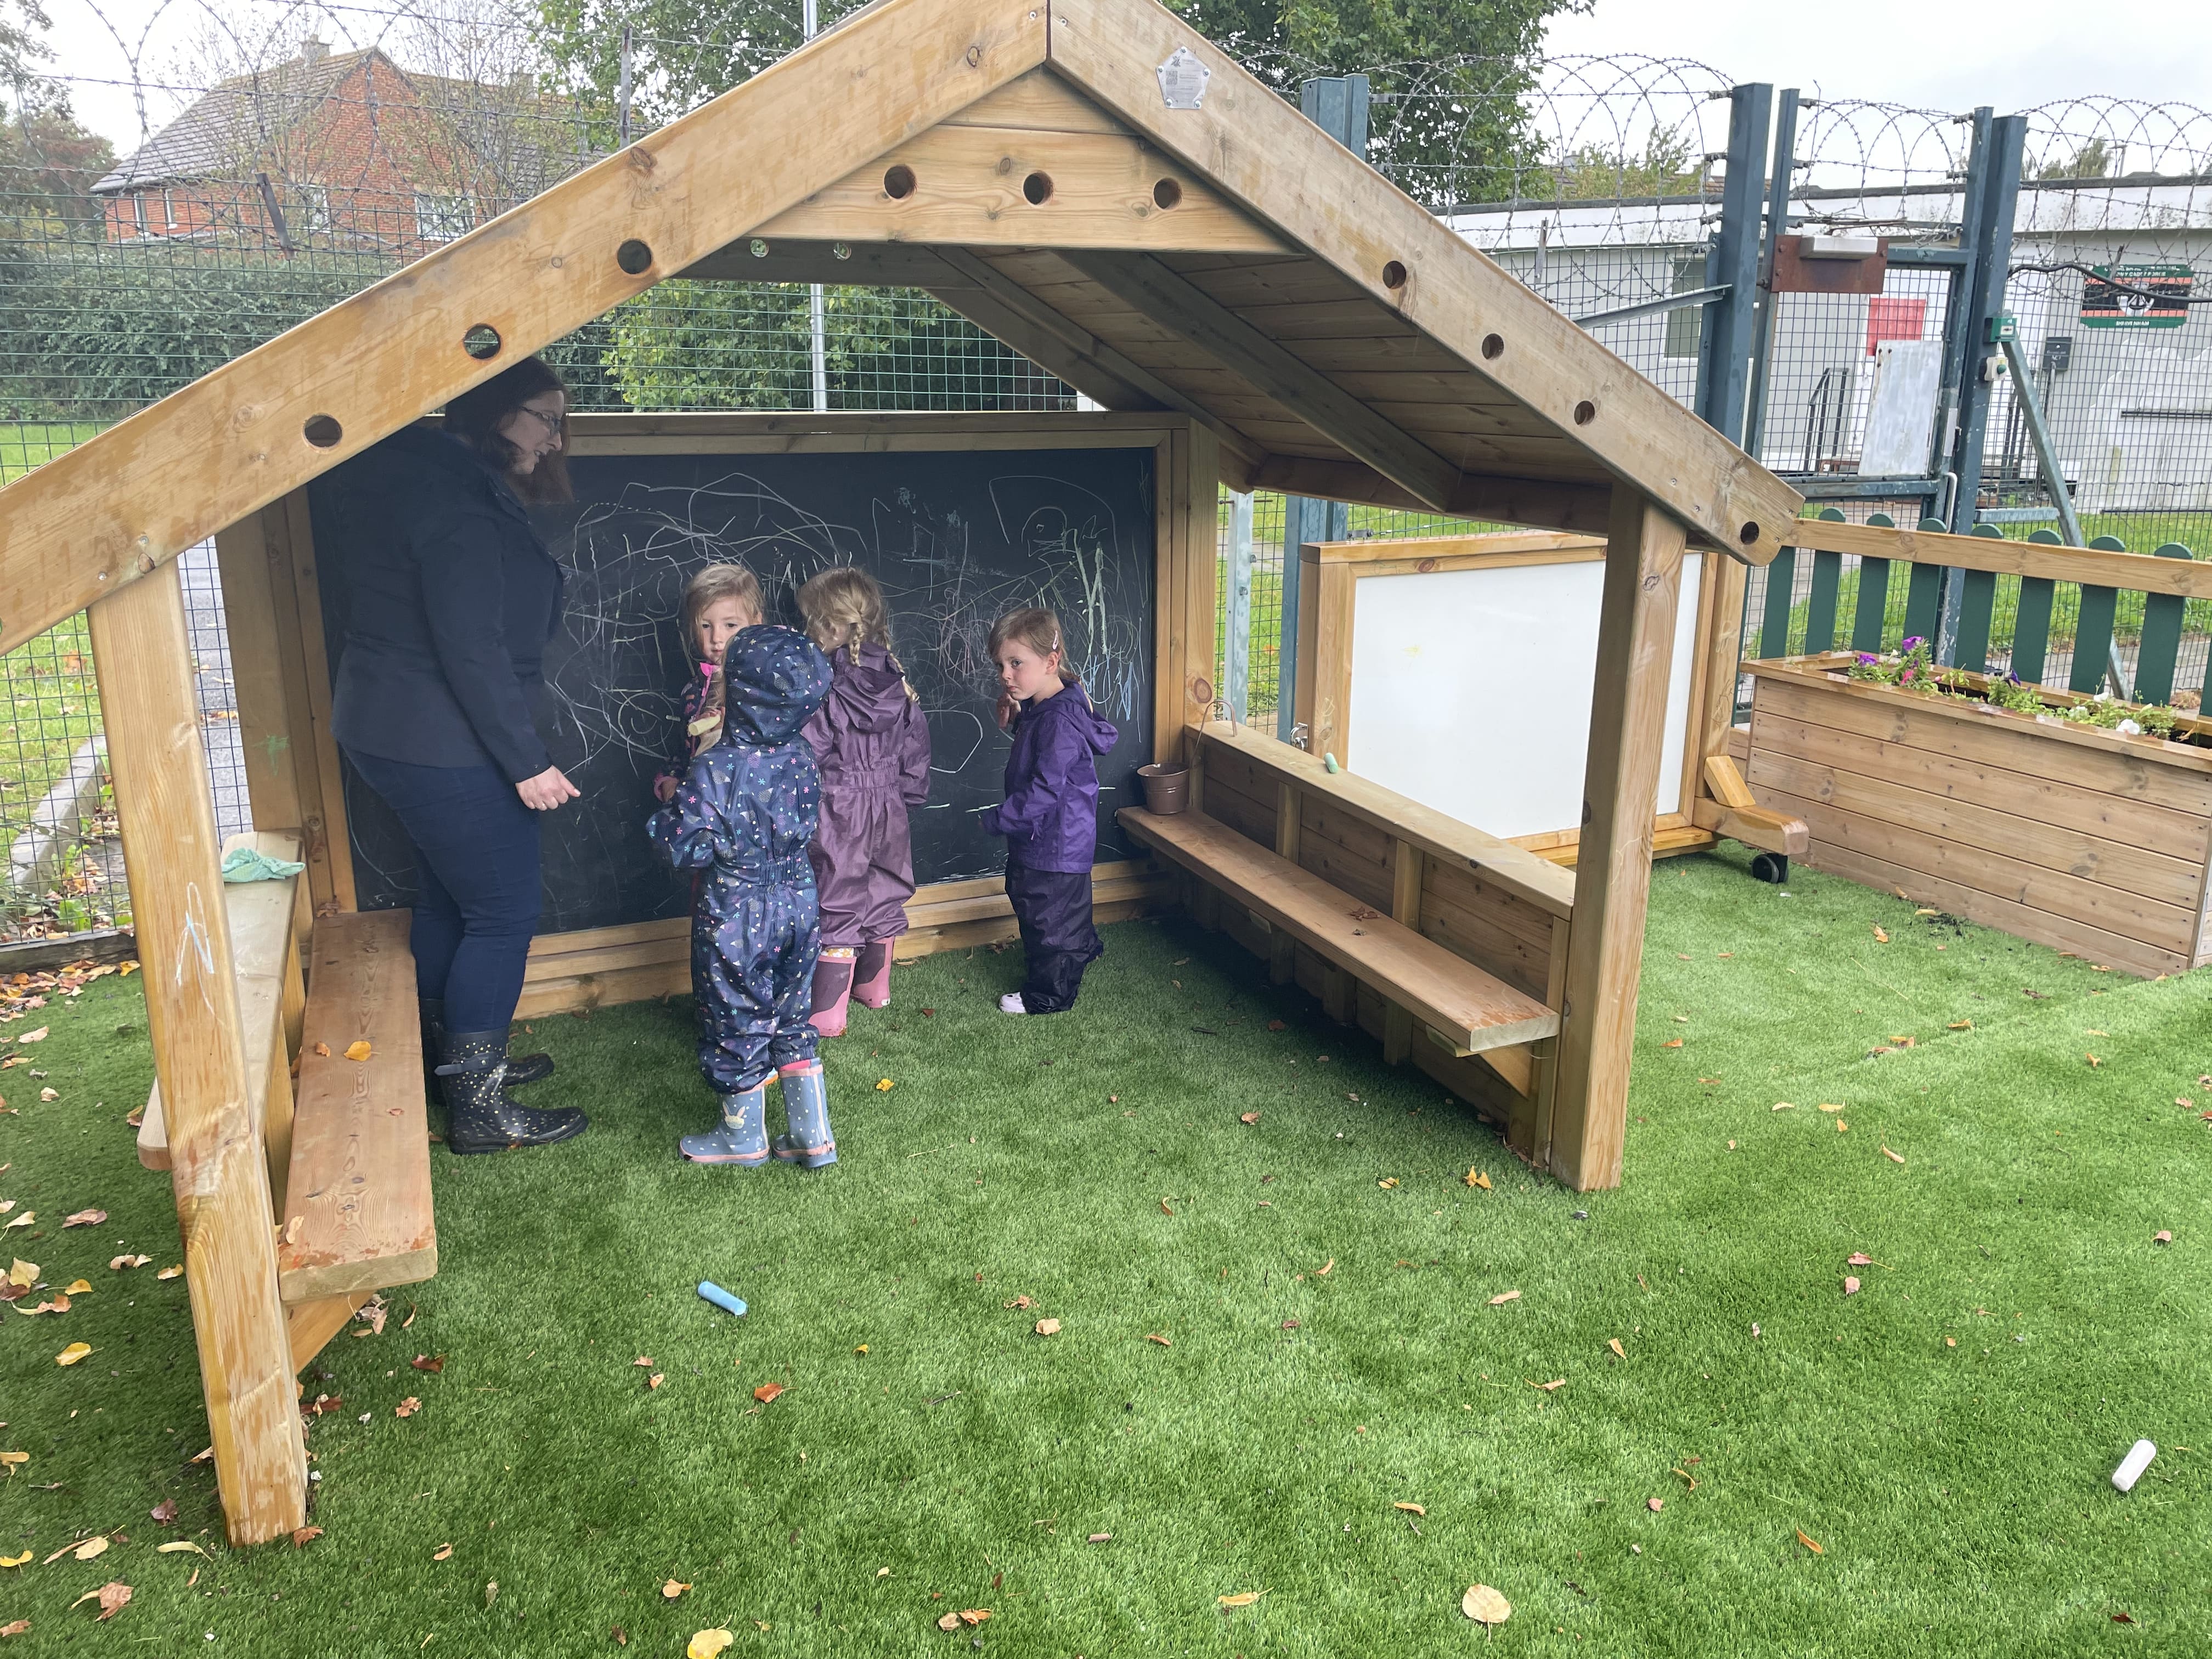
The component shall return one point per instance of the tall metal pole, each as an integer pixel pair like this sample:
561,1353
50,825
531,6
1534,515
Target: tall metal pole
1338,105
621,93
1237,644
1724,354
817,344
1783,171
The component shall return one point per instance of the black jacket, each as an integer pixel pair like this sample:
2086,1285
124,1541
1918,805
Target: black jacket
447,599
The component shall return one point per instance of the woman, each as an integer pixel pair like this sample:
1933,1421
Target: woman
450,598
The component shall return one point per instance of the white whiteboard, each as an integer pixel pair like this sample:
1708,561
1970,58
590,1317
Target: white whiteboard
1471,690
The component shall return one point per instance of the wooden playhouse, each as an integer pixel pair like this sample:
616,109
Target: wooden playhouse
1097,184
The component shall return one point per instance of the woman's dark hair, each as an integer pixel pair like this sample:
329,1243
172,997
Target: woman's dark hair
475,416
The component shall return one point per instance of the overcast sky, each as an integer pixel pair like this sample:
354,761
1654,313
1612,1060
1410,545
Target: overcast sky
1937,54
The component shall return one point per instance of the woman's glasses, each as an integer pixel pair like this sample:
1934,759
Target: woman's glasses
550,422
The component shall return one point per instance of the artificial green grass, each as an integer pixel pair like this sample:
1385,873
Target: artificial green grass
1959,1494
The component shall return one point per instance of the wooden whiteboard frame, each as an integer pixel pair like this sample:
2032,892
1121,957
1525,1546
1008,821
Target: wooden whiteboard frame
1330,573
272,596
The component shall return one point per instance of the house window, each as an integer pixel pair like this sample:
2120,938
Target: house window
1686,328
139,209
168,210
1891,317
314,210
442,218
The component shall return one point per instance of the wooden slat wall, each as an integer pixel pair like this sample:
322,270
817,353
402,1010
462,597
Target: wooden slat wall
2070,844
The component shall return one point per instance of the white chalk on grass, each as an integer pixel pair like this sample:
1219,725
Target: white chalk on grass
2133,1465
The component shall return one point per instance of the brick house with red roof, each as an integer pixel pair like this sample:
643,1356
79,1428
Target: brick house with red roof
345,151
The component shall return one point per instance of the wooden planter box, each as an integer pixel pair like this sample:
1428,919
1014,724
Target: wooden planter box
2090,841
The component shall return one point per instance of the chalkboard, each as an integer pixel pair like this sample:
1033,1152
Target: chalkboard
957,538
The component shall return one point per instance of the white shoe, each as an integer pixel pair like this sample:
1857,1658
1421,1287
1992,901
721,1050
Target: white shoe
1012,1004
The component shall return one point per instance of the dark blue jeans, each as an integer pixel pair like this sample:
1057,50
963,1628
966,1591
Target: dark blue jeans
477,859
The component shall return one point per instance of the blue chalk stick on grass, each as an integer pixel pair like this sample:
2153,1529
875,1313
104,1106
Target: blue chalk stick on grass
720,1297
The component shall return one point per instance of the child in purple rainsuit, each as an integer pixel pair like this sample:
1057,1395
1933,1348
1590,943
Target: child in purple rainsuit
872,745
1050,815
743,815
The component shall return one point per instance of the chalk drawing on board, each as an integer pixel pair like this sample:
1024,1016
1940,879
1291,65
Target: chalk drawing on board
1471,690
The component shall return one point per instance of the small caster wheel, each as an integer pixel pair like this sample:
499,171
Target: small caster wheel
1770,868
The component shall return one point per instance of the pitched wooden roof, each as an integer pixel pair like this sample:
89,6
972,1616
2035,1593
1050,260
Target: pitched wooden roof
1019,159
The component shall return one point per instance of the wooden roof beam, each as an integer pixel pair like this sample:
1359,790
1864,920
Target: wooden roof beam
1267,157
86,523
1140,281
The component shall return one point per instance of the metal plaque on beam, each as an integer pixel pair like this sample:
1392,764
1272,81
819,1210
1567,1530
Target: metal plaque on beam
1182,79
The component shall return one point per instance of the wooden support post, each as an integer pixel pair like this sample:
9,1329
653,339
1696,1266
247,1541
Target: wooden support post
147,689
1612,872
1282,949
1205,898
1406,907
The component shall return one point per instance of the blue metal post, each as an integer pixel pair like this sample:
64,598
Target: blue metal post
1781,172
1338,105
1990,227
1725,354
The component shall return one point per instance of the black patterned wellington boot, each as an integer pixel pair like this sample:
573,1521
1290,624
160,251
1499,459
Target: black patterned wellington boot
480,1116
520,1068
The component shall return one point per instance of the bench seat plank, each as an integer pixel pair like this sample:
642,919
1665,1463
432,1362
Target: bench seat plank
1470,1009
357,1214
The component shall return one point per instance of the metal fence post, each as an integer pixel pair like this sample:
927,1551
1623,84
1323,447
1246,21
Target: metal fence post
1723,362
1781,171
1338,105
1237,641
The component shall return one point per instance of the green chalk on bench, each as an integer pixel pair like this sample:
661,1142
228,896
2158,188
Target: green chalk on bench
1329,763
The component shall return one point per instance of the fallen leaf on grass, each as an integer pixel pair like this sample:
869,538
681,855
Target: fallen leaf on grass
113,1598
1412,1509
1675,1044
165,1511
1504,1297
2093,1061
767,1392
1246,1598
48,1096
1478,1178
1047,1327
1023,1302
181,1546
1891,1156
84,1218
1686,1475
1250,1117
1961,1025
443,1552
14,1460
1842,1127
303,1536
1387,1183
972,1616
171,1273
407,1408
1323,1272
884,1086
2161,1236
1100,1538
1484,1604
15,1627
2122,1618
1655,1504
706,1643
1613,1343
15,1560
1850,1286
643,1361
1879,937
1553,1387
357,1051
87,1550
1153,1336
71,1354
1810,1544
23,1273
1164,1210
655,1380
24,1219
431,1363
1858,1259
1290,1324
39,1035
673,1587
1783,1106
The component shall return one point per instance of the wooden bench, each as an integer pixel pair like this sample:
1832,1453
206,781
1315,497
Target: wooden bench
348,1141
1469,1010
358,1216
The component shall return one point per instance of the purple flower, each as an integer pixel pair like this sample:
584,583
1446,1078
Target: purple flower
1912,644
1868,657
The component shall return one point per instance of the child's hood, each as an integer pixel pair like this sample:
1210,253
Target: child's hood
775,681
1068,713
868,692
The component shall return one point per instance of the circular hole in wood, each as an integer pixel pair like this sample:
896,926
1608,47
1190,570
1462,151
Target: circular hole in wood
1394,274
1748,534
481,342
323,431
1036,189
1166,194
898,182
634,257
1493,345
1585,412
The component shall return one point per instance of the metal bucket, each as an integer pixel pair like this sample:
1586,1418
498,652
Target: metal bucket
1166,791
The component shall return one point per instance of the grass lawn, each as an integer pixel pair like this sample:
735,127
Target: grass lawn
1333,1347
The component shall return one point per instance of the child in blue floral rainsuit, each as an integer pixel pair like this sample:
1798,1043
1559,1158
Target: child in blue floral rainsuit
744,814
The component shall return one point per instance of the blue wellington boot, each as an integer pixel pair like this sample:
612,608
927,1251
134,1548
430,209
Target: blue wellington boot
743,1136
806,1109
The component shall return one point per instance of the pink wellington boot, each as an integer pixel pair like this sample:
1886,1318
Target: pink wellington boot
833,988
871,980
